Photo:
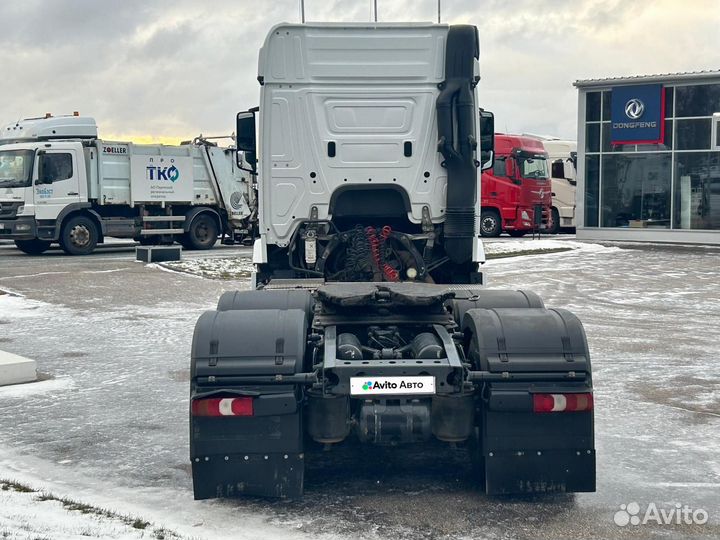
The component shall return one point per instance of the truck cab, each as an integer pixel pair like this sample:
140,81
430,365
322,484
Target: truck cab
516,194
42,177
562,156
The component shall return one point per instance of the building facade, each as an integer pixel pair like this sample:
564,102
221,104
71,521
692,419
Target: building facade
649,158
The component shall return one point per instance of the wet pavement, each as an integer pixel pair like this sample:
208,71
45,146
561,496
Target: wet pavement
111,426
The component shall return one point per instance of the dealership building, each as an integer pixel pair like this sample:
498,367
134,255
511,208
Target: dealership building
649,158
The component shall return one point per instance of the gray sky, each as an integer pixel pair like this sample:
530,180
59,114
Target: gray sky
172,69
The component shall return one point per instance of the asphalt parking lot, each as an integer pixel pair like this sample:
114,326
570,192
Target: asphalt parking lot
111,425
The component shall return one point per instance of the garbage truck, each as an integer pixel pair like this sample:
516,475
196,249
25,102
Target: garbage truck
60,183
368,322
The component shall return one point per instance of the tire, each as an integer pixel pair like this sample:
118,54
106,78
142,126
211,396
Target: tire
490,225
517,234
32,247
79,236
554,225
202,234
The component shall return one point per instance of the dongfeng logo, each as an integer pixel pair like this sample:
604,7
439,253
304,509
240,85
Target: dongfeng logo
634,109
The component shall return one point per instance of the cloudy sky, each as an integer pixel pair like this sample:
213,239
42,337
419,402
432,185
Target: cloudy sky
171,69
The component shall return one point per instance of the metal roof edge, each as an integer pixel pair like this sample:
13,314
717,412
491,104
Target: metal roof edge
659,77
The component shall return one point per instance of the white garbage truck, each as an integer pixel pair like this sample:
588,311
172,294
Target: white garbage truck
60,183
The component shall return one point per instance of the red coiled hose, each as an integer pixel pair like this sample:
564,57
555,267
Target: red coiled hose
375,246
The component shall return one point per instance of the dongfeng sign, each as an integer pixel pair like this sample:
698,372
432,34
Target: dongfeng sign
638,114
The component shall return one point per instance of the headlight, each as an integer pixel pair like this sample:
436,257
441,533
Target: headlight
23,227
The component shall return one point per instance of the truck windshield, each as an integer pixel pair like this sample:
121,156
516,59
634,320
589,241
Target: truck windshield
16,168
533,167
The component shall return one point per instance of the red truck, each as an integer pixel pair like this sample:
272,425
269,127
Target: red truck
516,188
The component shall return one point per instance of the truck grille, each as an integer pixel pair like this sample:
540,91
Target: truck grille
9,209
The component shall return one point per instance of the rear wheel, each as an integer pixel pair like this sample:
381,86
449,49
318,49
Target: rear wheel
554,225
490,225
79,236
32,247
202,234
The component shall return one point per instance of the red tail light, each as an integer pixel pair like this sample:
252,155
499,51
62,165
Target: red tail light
545,403
239,406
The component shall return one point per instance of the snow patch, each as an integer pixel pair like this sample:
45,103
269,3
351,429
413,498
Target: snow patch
35,388
230,268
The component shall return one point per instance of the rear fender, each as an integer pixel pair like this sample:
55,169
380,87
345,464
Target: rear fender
526,451
261,454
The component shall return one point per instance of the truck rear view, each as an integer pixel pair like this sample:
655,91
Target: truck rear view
369,323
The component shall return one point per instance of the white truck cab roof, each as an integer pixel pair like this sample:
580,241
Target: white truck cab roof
52,127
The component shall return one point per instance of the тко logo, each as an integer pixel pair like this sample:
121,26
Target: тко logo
634,109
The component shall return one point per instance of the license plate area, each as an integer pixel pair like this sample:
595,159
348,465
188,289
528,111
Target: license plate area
397,385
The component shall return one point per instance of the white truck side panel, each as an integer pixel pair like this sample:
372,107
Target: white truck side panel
128,173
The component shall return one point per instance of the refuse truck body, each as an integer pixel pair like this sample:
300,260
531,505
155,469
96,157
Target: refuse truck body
60,183
368,321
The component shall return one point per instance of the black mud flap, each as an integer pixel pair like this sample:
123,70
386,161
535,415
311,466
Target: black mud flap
526,452
256,449
539,471
528,353
263,475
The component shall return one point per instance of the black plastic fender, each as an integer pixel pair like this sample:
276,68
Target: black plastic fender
266,299
524,451
490,299
526,339
262,453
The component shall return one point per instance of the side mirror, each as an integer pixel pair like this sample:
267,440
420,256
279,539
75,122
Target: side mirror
487,139
245,140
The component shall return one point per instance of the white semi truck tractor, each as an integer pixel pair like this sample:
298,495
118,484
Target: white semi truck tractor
562,156
369,322
60,183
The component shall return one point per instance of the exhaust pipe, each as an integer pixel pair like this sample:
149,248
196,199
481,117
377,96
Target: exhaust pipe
455,116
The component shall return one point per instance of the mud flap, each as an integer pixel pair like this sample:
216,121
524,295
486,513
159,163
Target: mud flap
538,453
540,471
528,351
258,449
261,455
248,474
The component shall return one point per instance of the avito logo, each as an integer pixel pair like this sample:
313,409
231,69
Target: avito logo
171,173
390,385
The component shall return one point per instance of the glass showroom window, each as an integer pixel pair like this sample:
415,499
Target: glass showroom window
636,190
697,190
697,100
592,190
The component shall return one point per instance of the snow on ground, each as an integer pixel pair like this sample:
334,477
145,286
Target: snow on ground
212,268
36,515
226,268
537,246
114,431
